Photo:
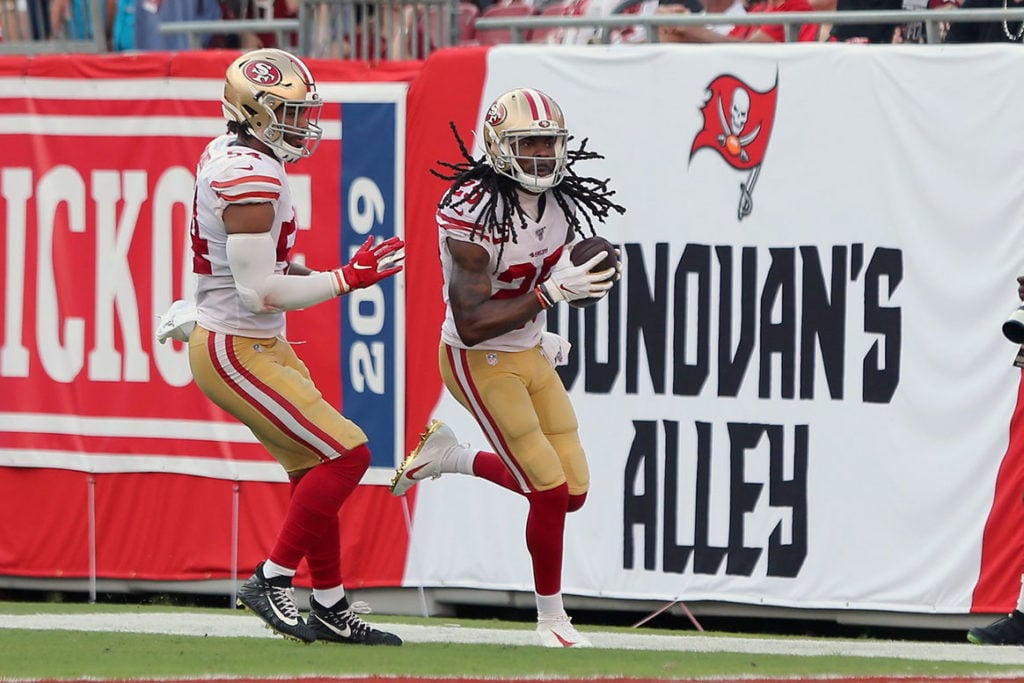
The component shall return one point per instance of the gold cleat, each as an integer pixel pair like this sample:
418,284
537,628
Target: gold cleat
425,461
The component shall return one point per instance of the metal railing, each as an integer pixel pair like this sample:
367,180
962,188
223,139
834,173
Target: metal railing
285,31
366,30
791,21
314,42
348,29
372,30
30,27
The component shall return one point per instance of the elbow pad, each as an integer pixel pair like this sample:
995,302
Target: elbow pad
253,261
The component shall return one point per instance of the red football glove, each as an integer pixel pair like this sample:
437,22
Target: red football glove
371,264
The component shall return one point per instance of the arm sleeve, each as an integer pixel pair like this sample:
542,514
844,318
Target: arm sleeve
252,257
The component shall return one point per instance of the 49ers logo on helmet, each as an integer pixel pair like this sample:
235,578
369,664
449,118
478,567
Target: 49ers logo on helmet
496,114
262,73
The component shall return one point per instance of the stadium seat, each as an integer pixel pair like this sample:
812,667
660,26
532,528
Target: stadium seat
468,12
433,32
498,36
551,34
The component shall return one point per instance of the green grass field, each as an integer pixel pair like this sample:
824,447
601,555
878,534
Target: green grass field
63,654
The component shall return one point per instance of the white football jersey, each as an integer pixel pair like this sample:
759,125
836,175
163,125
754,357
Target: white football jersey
522,265
235,174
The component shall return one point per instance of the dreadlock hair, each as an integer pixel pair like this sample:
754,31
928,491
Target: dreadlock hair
590,195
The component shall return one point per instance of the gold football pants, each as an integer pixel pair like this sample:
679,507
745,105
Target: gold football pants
265,385
522,407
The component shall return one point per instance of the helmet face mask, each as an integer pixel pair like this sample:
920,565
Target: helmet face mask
272,94
525,139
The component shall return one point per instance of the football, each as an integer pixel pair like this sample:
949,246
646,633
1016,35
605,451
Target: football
586,249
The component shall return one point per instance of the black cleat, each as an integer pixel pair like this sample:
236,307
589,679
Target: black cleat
272,600
341,624
1007,631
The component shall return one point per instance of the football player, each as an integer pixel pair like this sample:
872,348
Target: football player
505,228
243,228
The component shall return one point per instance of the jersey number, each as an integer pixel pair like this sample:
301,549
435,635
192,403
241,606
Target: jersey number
201,248
527,275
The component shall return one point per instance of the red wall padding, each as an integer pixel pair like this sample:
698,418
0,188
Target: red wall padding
1003,546
165,527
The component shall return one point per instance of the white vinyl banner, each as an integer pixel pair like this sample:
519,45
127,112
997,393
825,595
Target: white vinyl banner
799,394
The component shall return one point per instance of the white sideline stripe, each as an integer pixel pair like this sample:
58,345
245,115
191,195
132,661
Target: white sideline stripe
81,425
125,89
105,463
211,468
190,89
246,626
128,126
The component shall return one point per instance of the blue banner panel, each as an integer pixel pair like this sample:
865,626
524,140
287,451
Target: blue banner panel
372,348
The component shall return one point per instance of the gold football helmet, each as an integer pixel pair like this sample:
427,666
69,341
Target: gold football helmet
519,114
272,93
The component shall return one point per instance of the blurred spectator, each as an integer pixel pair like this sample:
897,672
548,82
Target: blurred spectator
695,6
943,25
14,24
865,33
39,19
911,32
753,33
261,9
72,19
149,14
726,7
987,32
607,8
122,28
23,22
914,31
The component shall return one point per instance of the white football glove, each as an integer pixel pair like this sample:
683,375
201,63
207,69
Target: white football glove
571,283
178,322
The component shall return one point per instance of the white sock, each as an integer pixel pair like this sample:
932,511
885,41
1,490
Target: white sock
329,597
270,570
1020,600
550,606
459,459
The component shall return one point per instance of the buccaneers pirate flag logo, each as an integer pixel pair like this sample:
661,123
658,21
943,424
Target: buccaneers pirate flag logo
737,125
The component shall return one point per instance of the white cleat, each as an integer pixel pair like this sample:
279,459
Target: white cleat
560,633
426,459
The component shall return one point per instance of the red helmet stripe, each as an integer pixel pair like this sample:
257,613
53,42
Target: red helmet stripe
303,70
537,102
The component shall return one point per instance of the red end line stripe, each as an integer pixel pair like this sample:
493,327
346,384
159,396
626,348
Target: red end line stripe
708,679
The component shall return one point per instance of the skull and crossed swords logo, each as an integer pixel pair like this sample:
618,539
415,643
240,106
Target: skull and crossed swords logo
735,143
737,124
